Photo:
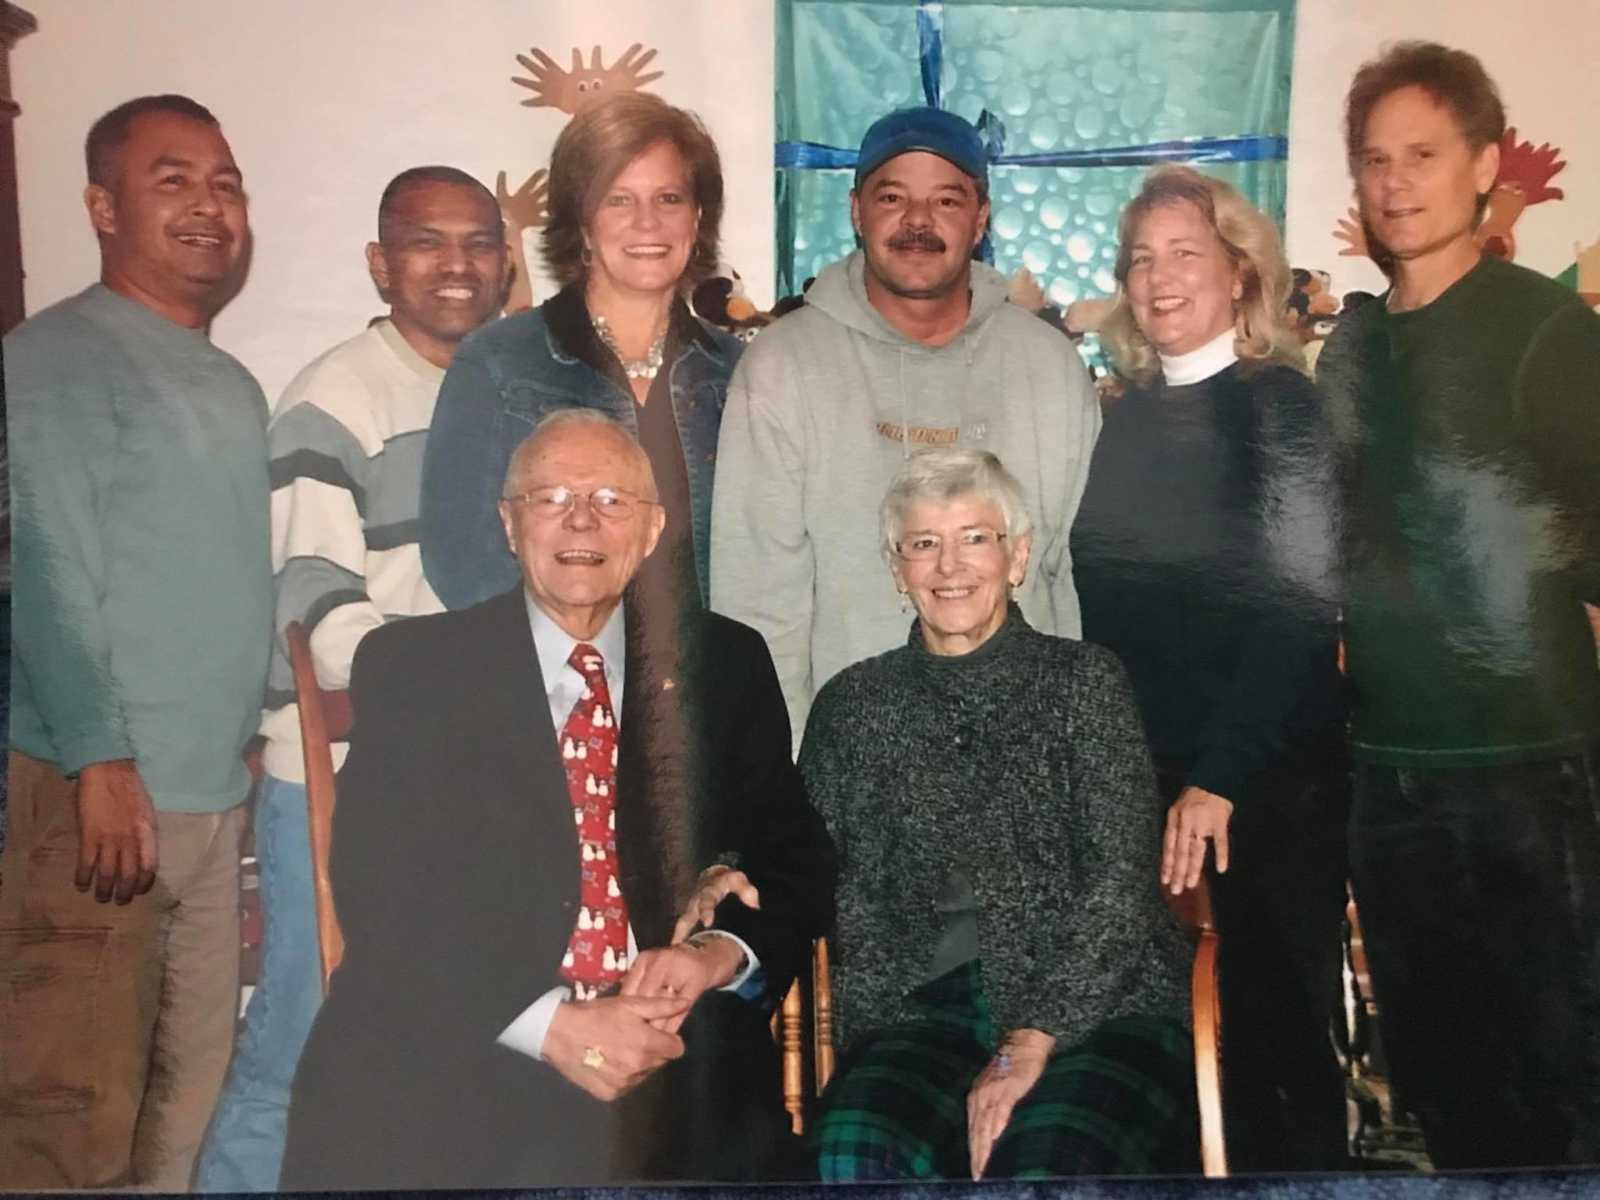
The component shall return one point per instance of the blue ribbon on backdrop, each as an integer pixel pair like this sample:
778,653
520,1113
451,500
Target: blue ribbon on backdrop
930,42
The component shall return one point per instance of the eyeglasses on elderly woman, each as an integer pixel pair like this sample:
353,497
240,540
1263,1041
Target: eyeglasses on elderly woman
973,542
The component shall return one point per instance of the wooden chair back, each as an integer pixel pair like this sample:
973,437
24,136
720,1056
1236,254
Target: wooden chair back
1193,911
813,1005
325,718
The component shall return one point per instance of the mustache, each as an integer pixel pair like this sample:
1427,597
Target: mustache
918,239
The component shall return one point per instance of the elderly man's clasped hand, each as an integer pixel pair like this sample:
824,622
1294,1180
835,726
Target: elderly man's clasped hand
611,1045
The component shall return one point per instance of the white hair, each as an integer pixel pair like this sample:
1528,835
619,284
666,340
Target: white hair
560,419
947,473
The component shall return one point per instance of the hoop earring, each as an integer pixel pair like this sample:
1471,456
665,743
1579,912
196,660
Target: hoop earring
586,256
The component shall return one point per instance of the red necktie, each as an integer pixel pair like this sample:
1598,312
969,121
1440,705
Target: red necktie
597,954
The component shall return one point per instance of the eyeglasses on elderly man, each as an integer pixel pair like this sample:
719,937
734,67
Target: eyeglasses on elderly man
554,502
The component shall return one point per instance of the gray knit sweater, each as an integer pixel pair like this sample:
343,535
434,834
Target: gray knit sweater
1022,765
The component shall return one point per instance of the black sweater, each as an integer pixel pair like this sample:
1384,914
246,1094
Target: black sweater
1472,486
1203,553
1022,767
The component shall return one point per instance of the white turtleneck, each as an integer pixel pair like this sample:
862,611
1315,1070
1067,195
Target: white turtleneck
1216,355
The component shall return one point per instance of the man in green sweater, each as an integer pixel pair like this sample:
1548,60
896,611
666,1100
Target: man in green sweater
1469,393
143,622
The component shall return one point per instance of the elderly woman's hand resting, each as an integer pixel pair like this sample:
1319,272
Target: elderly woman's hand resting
715,884
1008,1077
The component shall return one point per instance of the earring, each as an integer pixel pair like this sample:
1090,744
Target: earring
905,604
586,257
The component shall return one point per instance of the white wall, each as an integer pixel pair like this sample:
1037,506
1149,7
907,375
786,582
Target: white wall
324,101
1543,54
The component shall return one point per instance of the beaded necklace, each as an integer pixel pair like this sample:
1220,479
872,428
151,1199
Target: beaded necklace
634,368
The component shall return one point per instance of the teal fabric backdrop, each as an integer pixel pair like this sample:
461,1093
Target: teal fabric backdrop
1062,82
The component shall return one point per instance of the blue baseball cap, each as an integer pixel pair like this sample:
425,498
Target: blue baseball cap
932,129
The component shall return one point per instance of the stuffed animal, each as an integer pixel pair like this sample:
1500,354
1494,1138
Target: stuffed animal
1311,306
723,302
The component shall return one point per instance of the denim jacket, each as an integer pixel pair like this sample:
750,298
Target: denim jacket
508,375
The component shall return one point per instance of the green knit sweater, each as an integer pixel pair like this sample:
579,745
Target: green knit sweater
1472,538
143,590
1021,766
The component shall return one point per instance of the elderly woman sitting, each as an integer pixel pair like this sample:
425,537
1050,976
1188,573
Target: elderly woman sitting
1009,988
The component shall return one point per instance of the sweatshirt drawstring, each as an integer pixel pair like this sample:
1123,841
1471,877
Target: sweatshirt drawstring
905,410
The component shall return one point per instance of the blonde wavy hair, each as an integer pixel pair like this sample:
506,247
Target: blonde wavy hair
1252,244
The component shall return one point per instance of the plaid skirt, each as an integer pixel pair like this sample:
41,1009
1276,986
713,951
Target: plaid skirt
1121,1101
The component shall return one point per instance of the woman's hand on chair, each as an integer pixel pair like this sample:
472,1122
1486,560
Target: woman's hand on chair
1008,1077
1196,817
715,884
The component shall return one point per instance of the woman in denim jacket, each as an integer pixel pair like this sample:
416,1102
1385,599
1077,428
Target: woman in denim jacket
635,199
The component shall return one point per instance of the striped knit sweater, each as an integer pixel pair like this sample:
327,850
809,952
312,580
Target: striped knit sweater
1022,766
346,443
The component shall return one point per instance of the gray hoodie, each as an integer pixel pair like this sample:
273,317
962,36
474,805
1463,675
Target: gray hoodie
821,411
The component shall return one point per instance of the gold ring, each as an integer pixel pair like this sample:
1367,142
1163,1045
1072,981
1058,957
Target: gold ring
592,1058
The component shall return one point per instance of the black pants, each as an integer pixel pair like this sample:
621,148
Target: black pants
1280,913
499,1120
1479,891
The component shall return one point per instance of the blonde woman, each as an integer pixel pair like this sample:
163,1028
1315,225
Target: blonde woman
1202,555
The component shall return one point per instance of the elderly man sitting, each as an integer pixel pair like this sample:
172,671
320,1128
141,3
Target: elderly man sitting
533,789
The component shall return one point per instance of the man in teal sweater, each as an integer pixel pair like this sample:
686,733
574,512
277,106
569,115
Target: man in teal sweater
143,620
1469,392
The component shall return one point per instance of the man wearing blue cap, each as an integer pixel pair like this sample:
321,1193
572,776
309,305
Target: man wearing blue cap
906,343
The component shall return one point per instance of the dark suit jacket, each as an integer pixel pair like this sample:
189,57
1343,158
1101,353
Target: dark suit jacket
455,873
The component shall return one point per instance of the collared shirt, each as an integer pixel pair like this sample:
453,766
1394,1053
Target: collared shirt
563,686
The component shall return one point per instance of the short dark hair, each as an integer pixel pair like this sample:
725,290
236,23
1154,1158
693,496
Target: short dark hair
414,177
594,149
109,134
1453,78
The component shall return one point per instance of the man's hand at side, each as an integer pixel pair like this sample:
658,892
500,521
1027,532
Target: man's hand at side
116,832
683,972
610,1046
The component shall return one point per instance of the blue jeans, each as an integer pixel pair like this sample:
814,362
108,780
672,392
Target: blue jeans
244,1147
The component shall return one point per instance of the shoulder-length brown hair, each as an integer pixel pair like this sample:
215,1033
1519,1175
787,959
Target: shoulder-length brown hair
1251,241
593,150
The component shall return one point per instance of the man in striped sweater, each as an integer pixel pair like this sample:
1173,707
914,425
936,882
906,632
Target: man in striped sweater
346,444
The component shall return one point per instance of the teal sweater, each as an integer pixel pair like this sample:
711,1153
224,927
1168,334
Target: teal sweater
143,593
1472,536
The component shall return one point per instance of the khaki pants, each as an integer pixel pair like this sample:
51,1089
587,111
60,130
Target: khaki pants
116,1021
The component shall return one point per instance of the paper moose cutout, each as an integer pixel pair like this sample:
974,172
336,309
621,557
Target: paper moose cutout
1523,179
581,86
568,91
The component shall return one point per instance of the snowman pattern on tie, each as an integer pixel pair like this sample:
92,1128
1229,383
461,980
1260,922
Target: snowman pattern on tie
597,953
